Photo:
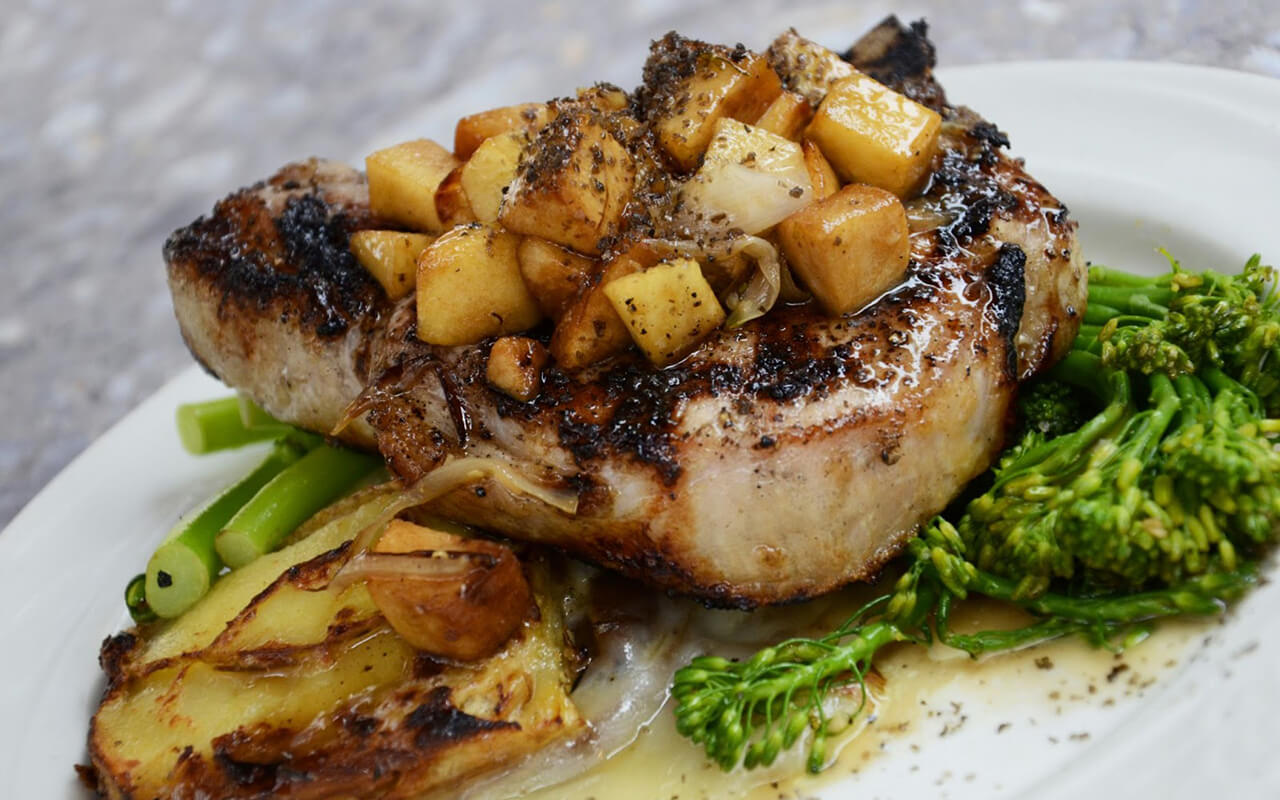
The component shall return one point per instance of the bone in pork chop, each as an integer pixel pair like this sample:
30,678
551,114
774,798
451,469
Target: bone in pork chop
780,460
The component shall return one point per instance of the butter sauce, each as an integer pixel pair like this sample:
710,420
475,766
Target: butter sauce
981,728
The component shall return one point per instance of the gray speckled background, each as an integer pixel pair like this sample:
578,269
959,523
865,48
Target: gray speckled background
123,119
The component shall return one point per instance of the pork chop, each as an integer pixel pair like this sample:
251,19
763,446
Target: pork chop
782,459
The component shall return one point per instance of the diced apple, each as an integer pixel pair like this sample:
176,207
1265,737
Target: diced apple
555,275
603,97
750,179
472,130
490,171
469,287
573,184
403,180
590,330
515,367
821,175
723,83
872,134
807,68
391,257
668,309
787,116
452,205
849,248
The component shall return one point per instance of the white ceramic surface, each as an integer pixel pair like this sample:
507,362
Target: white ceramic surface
1143,154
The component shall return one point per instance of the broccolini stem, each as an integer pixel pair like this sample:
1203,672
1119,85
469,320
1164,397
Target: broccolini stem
297,492
135,599
217,425
186,564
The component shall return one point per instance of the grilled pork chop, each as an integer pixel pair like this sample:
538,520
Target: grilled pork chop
780,460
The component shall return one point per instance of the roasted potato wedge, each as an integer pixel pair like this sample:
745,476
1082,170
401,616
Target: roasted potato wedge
403,180
849,248
469,287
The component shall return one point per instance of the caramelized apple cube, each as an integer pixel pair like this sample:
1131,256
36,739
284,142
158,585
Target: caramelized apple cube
391,257
403,180
572,185
787,116
807,68
590,330
750,179
469,287
821,175
722,83
473,130
555,275
490,171
515,367
849,248
452,205
872,134
668,309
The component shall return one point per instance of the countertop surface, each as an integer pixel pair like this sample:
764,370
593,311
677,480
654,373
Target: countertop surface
123,120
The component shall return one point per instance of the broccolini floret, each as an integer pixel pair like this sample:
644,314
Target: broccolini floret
1161,503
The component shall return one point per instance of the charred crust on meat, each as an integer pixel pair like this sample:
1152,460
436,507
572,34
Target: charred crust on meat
295,260
1007,278
902,58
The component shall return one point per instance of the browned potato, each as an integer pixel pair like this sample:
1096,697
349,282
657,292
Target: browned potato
573,184
720,87
469,287
515,367
391,257
555,275
850,248
466,616
807,68
403,181
821,175
487,175
452,204
786,116
590,329
668,309
472,130
872,134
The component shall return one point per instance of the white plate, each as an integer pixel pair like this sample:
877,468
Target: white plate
1144,154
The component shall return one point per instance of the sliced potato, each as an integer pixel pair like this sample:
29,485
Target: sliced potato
469,287
472,130
849,248
452,205
787,116
807,68
719,87
590,330
821,175
872,134
391,257
403,180
573,185
750,179
490,171
463,616
555,275
668,309
515,367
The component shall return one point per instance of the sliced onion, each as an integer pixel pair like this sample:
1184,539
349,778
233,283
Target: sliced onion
747,198
437,565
